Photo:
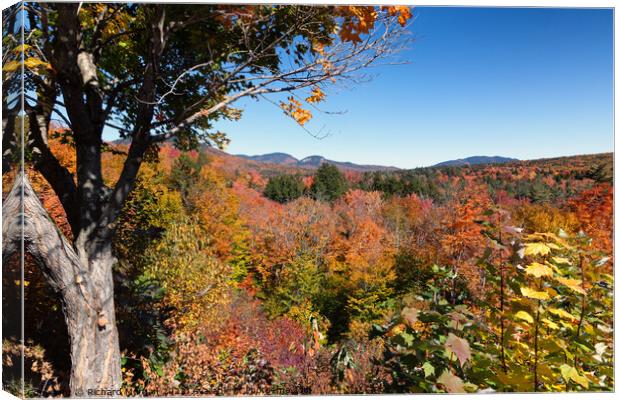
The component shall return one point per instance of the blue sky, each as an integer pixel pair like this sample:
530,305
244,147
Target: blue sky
524,83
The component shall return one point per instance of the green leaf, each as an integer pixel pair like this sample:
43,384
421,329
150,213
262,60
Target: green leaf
428,369
406,338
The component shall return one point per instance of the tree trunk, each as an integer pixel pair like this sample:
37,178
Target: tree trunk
86,289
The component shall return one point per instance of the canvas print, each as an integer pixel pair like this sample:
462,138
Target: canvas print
276,199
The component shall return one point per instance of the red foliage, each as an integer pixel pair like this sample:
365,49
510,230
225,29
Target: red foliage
594,208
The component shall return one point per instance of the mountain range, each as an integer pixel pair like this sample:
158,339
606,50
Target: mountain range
313,162
316,161
475,160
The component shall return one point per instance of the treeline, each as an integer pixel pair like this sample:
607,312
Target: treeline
540,185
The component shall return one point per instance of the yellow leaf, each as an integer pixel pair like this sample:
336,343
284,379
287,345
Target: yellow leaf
570,373
550,323
318,47
524,316
574,284
32,62
22,48
582,380
561,260
11,66
534,294
553,267
532,249
562,314
538,270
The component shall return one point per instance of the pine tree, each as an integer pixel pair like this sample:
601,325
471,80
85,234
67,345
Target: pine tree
284,188
329,183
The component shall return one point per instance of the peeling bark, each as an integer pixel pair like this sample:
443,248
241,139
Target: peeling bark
86,290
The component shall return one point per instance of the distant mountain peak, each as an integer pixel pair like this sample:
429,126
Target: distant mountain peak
275,158
313,161
476,160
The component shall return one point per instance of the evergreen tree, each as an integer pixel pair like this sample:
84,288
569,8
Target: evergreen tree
329,183
284,188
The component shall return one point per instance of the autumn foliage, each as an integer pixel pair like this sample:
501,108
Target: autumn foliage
379,285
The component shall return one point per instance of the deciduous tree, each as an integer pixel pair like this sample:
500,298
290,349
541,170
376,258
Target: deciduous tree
154,73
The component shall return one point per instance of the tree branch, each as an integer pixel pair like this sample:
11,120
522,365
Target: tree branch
23,215
59,177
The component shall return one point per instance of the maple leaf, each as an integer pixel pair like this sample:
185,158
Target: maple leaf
574,284
294,110
428,369
538,270
534,294
460,347
550,323
561,260
316,96
524,316
403,12
562,314
532,249
451,382
570,373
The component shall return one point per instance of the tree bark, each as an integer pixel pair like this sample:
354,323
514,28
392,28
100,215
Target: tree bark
86,290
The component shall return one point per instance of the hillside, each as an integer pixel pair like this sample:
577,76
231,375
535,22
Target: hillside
475,160
313,162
